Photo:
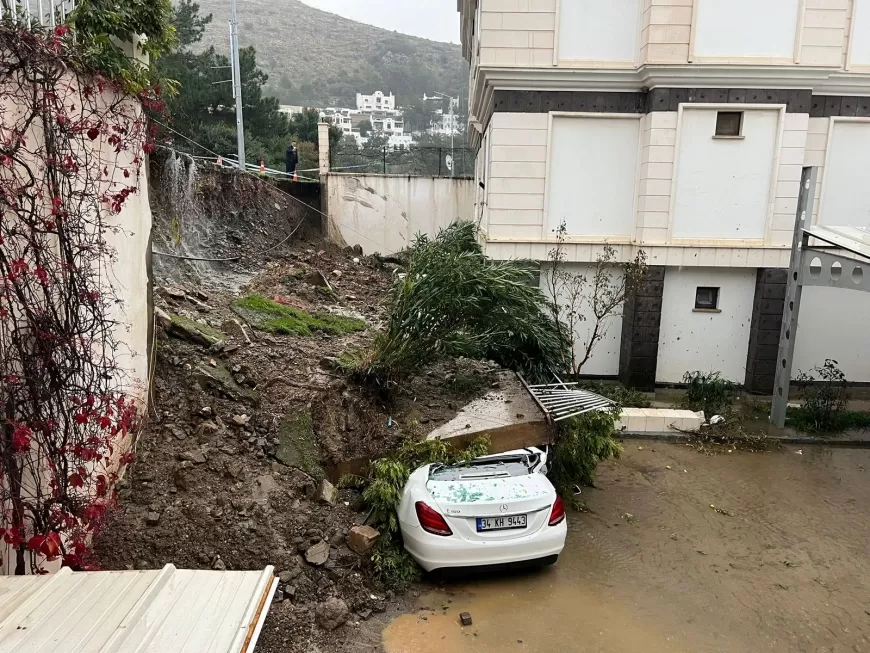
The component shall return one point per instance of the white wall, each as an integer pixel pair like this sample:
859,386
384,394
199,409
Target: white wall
833,324
845,188
723,186
596,30
383,213
593,171
746,28
691,340
605,355
860,45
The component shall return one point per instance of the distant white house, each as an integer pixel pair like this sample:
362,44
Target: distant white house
290,109
379,109
376,101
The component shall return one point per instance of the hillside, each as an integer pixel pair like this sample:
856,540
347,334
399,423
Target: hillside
315,58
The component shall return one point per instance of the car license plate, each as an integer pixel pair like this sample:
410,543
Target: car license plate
500,523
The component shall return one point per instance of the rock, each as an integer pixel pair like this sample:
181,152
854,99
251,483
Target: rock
197,457
236,329
297,443
201,295
180,480
207,428
318,554
331,614
361,539
219,564
206,411
316,278
330,363
465,618
287,576
235,470
219,379
240,420
336,274
364,614
358,250
175,293
326,493
264,486
163,319
195,332
152,519
200,306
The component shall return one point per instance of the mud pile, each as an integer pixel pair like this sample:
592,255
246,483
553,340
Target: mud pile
251,418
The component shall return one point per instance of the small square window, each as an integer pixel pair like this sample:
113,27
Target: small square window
729,123
707,298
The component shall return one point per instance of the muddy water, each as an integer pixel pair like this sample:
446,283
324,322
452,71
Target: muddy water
782,565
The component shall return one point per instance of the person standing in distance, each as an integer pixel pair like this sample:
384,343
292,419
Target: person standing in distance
292,160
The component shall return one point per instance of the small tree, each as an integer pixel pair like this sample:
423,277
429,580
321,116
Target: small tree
576,298
365,127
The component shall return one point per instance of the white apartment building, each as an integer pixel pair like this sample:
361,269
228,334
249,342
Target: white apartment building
445,124
679,127
377,101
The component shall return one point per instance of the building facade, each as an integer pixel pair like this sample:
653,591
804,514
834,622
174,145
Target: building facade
679,127
376,101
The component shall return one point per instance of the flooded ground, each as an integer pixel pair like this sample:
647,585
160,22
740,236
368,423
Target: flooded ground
779,563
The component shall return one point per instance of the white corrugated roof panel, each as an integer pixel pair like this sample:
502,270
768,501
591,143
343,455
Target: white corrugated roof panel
162,611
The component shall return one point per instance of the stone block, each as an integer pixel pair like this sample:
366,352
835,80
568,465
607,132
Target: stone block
362,539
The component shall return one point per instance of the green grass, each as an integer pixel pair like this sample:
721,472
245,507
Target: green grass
847,420
271,316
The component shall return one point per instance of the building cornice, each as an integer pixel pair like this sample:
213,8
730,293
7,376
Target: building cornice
820,80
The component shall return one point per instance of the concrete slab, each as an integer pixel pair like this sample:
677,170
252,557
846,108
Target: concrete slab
507,414
642,421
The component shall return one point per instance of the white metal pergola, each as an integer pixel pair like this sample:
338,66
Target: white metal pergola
822,256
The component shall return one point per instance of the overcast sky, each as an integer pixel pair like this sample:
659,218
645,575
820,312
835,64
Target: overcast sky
432,19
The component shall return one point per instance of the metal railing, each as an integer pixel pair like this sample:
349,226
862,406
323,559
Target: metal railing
48,13
415,161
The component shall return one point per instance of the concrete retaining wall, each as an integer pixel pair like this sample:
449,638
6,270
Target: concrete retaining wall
383,213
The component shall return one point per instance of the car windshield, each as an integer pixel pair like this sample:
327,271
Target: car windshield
483,468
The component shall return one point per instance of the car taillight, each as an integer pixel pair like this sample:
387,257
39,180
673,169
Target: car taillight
431,521
557,515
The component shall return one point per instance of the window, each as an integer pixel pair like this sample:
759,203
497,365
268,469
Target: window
706,299
729,124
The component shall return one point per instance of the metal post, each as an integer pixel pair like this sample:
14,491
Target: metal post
237,85
385,159
791,310
41,12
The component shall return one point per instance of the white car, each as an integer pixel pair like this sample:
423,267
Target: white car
494,510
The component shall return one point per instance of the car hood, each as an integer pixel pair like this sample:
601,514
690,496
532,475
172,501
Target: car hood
486,497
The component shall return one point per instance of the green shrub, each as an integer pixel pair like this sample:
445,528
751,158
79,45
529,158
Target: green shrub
708,392
625,397
454,301
824,391
579,444
382,492
268,315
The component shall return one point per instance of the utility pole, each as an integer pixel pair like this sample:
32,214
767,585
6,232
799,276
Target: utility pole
237,86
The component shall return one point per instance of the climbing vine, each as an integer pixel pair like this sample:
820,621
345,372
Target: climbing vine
72,144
